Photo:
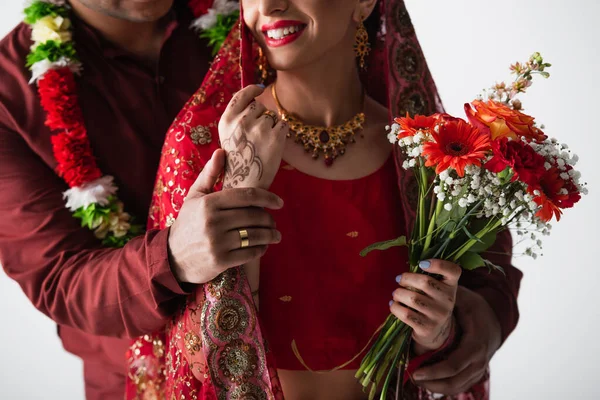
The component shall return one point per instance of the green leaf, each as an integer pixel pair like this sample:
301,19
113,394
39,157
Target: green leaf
505,175
218,33
470,235
493,266
51,50
484,243
388,244
38,10
471,261
452,217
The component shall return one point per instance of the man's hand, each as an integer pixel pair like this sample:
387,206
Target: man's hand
467,364
204,241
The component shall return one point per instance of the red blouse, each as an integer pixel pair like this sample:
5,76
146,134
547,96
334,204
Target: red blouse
317,266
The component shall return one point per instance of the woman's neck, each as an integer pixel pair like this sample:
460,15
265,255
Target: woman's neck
326,93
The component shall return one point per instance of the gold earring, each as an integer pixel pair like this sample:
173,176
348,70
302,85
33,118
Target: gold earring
263,65
362,47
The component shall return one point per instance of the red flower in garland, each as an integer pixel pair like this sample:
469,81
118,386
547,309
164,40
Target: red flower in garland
410,126
200,7
555,193
528,166
72,150
457,144
76,164
58,96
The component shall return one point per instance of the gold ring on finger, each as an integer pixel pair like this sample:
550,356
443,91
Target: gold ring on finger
271,115
245,242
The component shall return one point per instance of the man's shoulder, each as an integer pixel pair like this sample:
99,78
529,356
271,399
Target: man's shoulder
15,90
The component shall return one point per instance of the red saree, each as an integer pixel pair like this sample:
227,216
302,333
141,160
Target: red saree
214,347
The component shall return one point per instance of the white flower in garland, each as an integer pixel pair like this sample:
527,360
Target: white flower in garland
98,191
51,28
41,67
116,223
220,7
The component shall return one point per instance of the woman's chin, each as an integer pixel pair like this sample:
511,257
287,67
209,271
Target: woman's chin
288,61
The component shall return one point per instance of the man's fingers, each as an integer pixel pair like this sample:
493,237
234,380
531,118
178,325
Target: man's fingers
458,361
242,218
246,197
459,383
210,174
449,271
241,100
244,256
256,237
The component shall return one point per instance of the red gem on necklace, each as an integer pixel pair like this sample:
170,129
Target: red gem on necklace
324,137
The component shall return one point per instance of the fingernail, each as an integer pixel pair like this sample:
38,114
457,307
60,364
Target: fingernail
398,278
260,85
280,201
278,236
419,377
424,264
391,302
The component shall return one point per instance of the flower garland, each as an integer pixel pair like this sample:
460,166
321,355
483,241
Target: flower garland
53,63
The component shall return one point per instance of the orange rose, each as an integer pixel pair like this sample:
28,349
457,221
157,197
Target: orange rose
502,121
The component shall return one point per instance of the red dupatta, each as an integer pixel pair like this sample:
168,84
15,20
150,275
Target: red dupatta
214,347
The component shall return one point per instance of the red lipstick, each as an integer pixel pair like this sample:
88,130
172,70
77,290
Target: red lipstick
289,38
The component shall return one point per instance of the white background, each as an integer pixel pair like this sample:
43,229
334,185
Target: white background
469,44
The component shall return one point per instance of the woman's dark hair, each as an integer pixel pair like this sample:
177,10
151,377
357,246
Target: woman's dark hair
373,25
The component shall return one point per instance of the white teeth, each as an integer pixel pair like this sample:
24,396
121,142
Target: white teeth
281,33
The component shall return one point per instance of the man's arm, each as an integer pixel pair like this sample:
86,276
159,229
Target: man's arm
62,267
498,289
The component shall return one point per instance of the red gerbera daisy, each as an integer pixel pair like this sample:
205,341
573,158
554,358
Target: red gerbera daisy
555,193
457,144
410,126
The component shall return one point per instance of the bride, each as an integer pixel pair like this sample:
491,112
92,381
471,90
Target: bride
315,136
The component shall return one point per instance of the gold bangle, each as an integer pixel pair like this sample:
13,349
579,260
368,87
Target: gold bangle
245,242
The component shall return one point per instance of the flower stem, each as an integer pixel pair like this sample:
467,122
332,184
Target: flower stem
438,210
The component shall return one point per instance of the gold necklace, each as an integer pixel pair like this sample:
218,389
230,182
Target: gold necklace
330,141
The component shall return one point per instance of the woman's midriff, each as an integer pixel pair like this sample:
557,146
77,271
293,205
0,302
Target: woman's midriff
320,301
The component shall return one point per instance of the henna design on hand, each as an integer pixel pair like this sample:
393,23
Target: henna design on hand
242,159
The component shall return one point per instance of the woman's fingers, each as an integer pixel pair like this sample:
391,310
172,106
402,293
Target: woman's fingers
437,290
241,100
420,323
449,271
254,111
420,303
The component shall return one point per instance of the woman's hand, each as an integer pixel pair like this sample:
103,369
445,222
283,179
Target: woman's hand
427,304
253,139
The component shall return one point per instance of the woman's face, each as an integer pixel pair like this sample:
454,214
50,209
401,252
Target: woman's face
295,33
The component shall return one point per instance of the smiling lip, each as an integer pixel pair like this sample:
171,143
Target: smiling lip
273,42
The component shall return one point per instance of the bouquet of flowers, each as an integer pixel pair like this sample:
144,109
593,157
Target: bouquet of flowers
475,178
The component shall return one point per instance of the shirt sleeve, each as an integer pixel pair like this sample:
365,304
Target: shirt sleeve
63,269
499,289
